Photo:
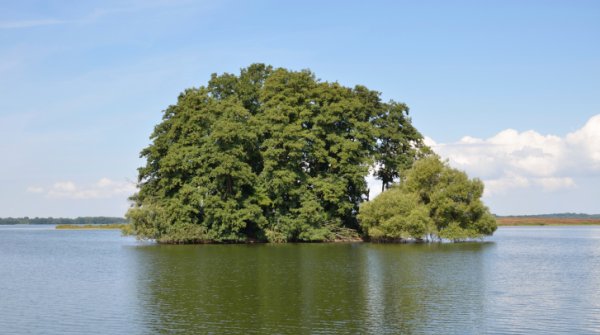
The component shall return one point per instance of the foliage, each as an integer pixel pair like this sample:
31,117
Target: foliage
433,200
395,150
268,155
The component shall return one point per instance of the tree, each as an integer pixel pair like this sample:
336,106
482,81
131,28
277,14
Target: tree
433,201
395,215
271,155
398,144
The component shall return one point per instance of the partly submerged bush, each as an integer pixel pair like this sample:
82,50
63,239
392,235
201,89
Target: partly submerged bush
432,201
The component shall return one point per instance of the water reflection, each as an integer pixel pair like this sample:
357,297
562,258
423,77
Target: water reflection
417,288
324,288
529,280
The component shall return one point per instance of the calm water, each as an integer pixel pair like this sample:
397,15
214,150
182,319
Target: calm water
522,281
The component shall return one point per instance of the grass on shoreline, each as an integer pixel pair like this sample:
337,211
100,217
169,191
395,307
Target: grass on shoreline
91,226
528,221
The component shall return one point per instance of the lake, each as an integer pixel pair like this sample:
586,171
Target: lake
523,280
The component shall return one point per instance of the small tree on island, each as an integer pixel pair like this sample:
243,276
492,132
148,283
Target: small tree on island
432,201
269,155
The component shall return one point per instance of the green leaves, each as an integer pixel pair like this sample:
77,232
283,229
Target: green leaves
269,154
398,142
395,214
433,201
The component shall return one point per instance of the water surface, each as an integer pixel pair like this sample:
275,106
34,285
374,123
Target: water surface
523,280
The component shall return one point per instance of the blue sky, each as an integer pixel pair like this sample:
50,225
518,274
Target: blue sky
506,90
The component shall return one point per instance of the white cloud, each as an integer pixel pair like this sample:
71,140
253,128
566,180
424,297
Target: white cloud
587,140
28,23
34,189
64,186
555,183
374,186
504,183
512,159
96,14
102,189
104,182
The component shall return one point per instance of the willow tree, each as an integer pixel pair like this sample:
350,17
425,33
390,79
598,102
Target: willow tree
268,155
432,201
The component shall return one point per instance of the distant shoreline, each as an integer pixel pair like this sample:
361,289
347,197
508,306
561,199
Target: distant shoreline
545,221
502,222
82,220
91,226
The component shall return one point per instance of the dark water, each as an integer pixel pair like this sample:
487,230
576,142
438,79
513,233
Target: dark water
538,280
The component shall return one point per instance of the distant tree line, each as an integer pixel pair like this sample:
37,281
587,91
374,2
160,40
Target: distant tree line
555,215
76,221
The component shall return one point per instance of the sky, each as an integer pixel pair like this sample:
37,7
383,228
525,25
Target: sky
508,91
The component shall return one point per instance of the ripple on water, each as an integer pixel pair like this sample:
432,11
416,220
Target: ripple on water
524,281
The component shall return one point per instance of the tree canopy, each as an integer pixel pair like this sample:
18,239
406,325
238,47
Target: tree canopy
432,201
268,155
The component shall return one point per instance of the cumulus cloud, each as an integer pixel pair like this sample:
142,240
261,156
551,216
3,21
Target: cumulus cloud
512,159
102,189
34,189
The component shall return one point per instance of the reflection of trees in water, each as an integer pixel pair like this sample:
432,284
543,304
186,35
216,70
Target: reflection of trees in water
432,288
306,288
196,289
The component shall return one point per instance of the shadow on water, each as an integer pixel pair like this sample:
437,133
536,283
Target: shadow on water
312,288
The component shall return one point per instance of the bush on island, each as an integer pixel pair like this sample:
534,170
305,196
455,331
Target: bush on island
431,202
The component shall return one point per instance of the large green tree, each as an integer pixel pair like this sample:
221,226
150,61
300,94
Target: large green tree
432,201
396,147
268,155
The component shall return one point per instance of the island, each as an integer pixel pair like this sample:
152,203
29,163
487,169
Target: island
275,155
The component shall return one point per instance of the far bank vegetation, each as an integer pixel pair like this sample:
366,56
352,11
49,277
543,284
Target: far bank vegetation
120,226
546,221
